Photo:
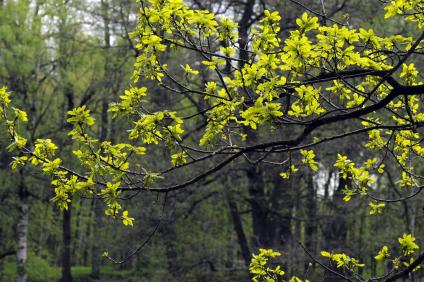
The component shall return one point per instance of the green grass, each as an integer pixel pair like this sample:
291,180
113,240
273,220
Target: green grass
107,271
39,270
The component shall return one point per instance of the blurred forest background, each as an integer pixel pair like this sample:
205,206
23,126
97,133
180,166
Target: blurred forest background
58,54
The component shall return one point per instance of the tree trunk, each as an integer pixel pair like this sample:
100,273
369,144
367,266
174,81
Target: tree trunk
66,223
168,232
238,227
22,232
280,219
254,175
411,225
89,238
258,205
244,24
96,257
362,228
98,211
311,225
412,217
66,254
335,233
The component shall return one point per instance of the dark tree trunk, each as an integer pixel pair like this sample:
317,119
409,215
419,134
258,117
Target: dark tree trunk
335,233
362,227
66,237
98,211
311,225
279,225
238,227
88,243
244,24
258,205
66,222
170,236
96,257
254,174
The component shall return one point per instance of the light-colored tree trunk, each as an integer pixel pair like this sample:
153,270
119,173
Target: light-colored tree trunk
22,233
412,216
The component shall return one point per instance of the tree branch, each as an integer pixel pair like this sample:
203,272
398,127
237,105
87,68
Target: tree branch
407,270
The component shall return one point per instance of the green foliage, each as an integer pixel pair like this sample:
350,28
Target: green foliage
408,244
258,267
343,261
39,270
313,76
261,271
383,253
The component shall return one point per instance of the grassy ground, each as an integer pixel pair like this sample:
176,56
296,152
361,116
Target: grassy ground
40,271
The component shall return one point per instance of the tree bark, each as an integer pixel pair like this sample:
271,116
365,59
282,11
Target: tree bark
22,232
254,173
311,225
282,202
258,205
244,24
238,227
169,234
66,237
335,234
96,257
